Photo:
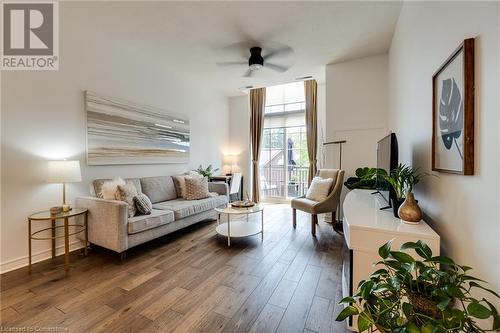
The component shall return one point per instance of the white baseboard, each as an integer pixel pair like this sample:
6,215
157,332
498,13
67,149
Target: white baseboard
37,257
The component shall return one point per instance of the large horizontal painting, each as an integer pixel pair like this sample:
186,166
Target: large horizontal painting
122,132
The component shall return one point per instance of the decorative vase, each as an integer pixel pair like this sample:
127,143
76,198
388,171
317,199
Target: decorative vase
396,203
409,211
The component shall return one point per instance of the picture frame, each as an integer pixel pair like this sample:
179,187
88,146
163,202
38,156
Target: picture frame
453,112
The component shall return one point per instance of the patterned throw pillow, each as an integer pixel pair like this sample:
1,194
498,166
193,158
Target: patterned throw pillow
143,204
127,193
196,188
180,182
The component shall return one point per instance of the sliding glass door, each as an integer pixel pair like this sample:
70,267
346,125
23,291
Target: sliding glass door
284,162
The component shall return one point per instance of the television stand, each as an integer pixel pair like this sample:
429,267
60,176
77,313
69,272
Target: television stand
366,229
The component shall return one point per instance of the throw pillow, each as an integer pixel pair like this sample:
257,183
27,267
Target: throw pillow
127,194
319,189
109,189
196,188
143,204
180,185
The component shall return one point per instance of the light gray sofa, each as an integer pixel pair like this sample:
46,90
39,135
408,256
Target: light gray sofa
110,227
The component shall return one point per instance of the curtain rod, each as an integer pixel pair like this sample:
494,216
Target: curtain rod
334,142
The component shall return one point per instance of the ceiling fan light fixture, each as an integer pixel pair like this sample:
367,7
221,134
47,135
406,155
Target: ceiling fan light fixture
255,62
255,67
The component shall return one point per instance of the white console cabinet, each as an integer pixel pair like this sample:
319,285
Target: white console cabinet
366,228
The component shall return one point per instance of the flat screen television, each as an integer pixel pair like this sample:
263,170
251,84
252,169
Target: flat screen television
387,159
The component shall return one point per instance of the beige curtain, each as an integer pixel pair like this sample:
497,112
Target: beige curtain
311,93
257,104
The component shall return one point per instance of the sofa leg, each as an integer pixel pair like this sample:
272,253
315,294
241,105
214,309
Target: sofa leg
294,218
123,256
314,221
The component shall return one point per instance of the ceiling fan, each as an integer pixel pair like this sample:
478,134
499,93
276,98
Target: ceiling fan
257,61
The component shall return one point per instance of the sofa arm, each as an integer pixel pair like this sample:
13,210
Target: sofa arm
107,222
219,187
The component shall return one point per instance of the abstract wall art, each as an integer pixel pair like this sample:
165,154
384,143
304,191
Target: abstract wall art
453,112
122,132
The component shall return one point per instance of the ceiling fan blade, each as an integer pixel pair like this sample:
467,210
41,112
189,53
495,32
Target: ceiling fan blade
231,63
284,51
248,73
277,68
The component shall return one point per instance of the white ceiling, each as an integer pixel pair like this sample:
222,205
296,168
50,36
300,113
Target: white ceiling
190,37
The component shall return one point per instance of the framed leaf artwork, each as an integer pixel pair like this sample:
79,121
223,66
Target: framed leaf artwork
453,112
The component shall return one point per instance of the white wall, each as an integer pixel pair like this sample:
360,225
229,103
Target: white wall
356,111
462,209
239,136
43,118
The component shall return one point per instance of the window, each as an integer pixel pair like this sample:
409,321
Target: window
284,163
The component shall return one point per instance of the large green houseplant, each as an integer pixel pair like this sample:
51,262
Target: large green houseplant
431,294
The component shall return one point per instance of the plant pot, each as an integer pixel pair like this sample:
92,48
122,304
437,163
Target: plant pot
396,203
424,305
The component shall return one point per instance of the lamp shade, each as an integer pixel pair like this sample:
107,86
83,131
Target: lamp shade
64,172
230,160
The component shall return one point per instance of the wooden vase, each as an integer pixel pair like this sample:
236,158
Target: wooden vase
409,211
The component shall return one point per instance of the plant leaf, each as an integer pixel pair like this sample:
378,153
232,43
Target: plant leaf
402,257
477,285
412,328
347,299
427,328
407,309
385,249
408,245
423,250
441,260
478,310
363,323
347,312
443,304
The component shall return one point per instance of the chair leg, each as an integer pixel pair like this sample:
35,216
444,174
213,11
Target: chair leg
123,256
314,221
294,218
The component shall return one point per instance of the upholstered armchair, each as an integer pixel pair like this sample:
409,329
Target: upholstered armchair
329,205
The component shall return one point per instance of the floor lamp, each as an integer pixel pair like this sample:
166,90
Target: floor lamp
337,224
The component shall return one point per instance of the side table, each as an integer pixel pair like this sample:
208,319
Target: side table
47,216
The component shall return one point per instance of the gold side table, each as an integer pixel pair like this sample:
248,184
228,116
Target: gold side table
46,216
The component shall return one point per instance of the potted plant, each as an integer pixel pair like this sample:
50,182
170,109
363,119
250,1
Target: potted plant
431,294
402,180
366,178
206,172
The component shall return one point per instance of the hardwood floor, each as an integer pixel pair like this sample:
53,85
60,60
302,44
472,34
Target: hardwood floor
190,281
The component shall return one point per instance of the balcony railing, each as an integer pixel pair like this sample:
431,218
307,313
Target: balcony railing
277,181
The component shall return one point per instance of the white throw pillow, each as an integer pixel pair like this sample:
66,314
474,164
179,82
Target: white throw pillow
319,189
109,189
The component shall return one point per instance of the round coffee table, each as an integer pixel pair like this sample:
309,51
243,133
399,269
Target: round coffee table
239,228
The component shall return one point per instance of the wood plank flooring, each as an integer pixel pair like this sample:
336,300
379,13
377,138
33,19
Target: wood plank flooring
189,281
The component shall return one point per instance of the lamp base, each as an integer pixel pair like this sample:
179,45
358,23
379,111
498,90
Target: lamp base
66,208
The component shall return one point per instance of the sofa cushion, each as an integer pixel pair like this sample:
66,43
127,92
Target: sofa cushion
183,208
97,185
159,189
144,222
